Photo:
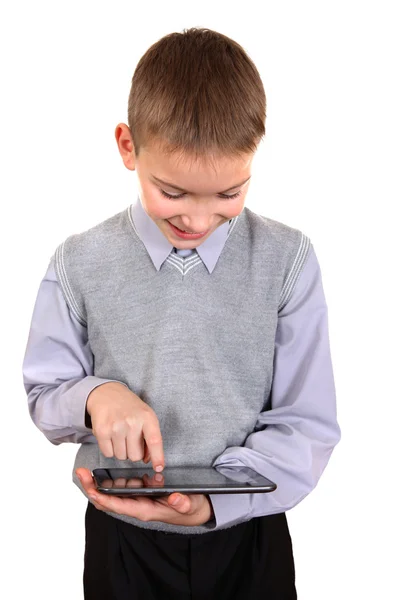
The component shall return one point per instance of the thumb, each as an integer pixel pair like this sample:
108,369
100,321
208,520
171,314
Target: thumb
85,478
180,503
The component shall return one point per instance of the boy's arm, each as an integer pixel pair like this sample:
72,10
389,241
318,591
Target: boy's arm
300,430
58,367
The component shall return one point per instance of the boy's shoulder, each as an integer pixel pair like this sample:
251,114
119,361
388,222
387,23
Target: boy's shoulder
288,245
276,230
97,235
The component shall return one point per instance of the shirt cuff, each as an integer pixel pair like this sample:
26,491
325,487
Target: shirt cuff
230,509
81,392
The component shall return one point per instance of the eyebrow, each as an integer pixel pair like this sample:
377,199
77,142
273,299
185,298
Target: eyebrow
176,187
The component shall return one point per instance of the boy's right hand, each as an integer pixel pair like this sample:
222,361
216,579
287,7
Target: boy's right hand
124,425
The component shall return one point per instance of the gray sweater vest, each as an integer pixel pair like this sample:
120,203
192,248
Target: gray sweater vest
197,347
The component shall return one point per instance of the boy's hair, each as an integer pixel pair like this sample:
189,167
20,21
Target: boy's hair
197,94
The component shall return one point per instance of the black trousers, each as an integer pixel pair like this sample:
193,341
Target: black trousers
249,561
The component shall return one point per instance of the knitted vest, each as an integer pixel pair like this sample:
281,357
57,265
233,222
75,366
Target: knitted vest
197,347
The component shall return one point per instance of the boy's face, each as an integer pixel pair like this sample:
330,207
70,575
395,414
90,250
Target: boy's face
204,203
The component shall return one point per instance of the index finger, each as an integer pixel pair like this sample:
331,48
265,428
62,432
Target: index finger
152,435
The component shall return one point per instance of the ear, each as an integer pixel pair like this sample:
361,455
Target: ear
125,145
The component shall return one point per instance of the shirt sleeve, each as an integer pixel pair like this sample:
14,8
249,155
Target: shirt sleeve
293,440
58,367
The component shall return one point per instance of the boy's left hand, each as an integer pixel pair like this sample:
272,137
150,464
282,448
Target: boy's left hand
192,509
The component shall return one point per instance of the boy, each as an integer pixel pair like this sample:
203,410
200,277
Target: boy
202,348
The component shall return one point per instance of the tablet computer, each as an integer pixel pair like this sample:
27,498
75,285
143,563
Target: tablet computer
131,482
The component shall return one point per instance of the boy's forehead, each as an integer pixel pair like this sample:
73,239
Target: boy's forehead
181,170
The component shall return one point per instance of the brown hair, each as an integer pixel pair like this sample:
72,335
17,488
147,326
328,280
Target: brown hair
197,93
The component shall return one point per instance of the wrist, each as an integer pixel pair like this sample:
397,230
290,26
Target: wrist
92,395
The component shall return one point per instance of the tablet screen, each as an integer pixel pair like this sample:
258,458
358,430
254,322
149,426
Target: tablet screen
177,477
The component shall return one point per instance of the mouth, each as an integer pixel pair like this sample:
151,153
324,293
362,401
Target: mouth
187,234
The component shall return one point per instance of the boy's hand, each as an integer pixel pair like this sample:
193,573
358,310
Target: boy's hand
124,425
192,509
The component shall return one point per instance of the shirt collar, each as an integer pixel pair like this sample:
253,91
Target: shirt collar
159,248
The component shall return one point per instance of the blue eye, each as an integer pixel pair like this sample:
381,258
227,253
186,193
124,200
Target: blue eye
226,196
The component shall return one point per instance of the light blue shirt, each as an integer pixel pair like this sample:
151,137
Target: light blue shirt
58,372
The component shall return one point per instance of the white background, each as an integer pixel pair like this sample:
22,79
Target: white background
329,166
